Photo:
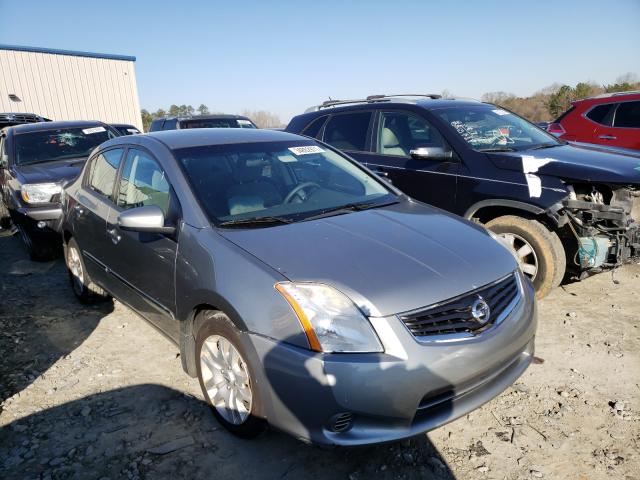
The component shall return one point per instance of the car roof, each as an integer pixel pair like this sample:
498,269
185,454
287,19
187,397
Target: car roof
214,116
32,127
127,125
610,97
199,137
427,103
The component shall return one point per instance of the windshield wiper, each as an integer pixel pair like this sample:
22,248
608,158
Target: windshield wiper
255,221
497,149
350,207
545,145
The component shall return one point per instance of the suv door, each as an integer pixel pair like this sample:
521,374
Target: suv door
90,212
620,127
143,264
430,180
349,132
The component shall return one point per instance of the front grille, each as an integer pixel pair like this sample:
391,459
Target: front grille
454,316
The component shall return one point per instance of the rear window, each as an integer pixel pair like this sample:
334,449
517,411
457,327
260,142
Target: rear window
313,129
217,123
561,117
348,131
103,171
628,115
61,144
601,114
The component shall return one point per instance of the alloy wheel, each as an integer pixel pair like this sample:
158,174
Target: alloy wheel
226,379
75,267
524,254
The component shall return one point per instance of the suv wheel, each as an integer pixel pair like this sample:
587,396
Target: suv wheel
39,248
226,377
539,252
83,288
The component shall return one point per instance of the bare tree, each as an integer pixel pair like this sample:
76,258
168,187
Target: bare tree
263,119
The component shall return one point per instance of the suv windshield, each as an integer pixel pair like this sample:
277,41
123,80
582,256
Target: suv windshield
51,145
277,181
487,127
217,123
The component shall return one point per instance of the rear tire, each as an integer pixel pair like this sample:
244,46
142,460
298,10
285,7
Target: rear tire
230,378
539,252
84,289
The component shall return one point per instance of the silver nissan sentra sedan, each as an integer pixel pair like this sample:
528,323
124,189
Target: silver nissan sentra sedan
303,291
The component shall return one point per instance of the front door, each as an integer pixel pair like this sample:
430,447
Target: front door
91,209
429,180
144,263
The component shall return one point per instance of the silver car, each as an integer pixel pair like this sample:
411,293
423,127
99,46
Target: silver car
303,291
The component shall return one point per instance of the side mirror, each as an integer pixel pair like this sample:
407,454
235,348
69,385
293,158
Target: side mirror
149,219
431,153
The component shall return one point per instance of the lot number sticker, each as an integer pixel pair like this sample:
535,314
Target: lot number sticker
305,150
499,111
89,131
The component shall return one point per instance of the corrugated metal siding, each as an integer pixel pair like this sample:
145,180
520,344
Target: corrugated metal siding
66,87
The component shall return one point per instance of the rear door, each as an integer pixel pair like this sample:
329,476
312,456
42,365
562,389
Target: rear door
620,127
91,209
396,134
143,264
349,132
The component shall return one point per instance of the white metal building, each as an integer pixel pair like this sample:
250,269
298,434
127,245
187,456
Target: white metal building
67,85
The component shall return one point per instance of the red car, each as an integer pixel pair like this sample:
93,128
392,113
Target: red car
611,119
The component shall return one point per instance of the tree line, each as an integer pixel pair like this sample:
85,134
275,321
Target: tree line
261,118
547,104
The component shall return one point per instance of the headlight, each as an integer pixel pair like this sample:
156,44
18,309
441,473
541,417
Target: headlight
329,318
39,192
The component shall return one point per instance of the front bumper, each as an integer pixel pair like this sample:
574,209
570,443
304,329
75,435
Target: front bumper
411,388
51,216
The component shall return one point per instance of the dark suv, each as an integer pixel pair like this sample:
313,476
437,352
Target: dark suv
561,208
201,121
36,159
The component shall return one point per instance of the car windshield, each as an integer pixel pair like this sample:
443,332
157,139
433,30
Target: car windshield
277,181
217,123
487,127
50,145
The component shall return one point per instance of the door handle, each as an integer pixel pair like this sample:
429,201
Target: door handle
114,235
607,137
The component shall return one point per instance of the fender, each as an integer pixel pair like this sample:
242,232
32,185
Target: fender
551,213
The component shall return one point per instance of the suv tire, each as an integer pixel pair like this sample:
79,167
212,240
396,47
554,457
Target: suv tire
216,334
39,247
84,289
547,253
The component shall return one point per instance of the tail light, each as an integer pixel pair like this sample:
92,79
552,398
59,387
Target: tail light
556,129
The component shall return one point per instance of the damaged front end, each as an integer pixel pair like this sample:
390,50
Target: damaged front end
599,226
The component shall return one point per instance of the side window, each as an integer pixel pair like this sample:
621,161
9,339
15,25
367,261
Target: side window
601,114
170,124
313,129
401,132
103,170
143,182
348,131
628,115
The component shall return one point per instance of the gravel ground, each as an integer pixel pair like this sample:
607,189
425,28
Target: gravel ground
95,392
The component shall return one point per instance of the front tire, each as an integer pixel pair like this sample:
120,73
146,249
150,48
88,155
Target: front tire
539,252
226,377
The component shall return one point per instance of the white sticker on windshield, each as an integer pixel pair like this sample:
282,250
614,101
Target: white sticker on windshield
305,150
89,131
499,111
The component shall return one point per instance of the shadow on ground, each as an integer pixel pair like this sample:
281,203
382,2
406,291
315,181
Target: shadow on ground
40,319
152,431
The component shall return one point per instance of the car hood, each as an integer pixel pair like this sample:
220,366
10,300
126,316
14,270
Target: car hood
387,260
572,162
50,171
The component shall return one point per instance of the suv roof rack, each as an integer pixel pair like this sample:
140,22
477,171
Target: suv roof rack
371,99
614,94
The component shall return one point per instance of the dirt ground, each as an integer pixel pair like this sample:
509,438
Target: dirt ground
95,392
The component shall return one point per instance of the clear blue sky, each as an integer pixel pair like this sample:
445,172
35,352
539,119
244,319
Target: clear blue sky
285,56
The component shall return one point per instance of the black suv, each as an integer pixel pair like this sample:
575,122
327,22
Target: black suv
36,160
561,209
10,119
201,121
